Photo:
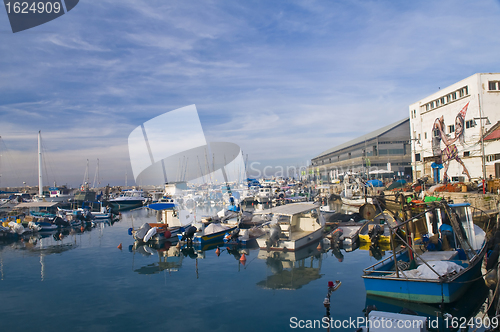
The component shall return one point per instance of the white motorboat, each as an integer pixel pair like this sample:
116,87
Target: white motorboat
292,226
128,200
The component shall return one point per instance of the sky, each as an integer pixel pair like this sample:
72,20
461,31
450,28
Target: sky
284,80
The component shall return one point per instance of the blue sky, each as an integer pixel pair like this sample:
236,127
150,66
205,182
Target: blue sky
285,80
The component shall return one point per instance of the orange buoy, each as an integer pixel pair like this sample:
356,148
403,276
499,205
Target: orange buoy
82,229
178,245
61,236
217,251
319,247
243,258
120,246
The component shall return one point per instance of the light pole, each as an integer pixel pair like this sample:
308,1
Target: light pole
483,161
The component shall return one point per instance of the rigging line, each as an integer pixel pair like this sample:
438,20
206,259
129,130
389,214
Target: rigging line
47,159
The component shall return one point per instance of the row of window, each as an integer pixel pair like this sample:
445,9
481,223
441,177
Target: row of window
462,92
490,157
451,129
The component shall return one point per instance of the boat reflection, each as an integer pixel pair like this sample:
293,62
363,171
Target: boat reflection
438,315
291,270
169,256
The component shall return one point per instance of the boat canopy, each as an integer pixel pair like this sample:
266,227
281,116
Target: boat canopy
289,209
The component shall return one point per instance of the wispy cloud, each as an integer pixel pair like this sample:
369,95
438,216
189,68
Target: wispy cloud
284,80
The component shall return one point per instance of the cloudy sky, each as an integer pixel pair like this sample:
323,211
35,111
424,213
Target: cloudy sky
285,80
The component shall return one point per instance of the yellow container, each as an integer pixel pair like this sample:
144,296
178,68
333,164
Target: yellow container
18,221
5,224
464,189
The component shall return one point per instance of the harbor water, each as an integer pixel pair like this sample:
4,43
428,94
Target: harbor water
81,281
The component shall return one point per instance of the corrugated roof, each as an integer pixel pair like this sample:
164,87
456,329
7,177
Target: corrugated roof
289,209
363,138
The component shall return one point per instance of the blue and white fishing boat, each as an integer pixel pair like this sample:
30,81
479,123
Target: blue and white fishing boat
433,276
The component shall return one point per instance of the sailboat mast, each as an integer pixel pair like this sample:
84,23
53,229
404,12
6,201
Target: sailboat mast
40,180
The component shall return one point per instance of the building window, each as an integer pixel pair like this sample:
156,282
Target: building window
427,107
419,137
466,153
491,157
425,135
417,156
349,155
451,129
433,105
375,150
442,101
464,91
437,103
454,95
492,85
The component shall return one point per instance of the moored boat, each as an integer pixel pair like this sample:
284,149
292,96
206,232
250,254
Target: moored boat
433,276
129,199
292,226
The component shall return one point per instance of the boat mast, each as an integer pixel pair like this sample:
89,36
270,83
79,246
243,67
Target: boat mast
40,180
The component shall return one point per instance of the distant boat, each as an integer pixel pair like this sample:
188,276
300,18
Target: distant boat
171,221
129,199
292,226
264,195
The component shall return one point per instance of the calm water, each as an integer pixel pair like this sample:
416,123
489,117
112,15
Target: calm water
83,282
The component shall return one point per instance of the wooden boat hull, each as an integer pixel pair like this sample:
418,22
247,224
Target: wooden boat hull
356,201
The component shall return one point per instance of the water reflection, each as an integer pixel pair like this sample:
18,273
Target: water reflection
291,269
471,304
169,257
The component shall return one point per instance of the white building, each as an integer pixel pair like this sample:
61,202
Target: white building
447,130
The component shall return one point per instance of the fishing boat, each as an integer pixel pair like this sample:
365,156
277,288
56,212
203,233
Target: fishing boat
129,199
327,210
264,195
377,230
349,232
432,276
354,194
292,226
206,234
170,221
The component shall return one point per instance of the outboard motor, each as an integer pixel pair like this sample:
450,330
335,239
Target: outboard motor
274,235
374,235
234,234
189,234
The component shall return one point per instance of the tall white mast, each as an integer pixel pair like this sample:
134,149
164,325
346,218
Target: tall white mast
40,182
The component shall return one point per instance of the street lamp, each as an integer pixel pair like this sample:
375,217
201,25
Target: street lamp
482,147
